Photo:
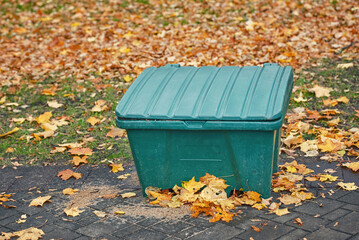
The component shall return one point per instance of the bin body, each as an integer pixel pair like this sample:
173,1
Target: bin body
185,121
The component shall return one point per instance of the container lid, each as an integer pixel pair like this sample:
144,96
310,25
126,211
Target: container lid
230,93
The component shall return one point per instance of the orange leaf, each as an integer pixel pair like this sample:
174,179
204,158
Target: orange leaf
93,121
50,91
343,100
10,132
116,132
80,151
298,221
116,167
67,174
78,160
256,229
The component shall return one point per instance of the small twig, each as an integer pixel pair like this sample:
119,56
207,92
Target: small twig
41,224
343,48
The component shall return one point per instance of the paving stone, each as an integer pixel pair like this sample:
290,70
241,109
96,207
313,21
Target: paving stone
148,222
218,231
189,232
327,234
243,220
309,223
170,227
5,213
200,222
296,234
351,207
61,233
270,231
320,206
30,222
337,213
146,234
351,198
7,177
97,229
285,218
4,229
67,224
337,193
356,237
128,230
348,223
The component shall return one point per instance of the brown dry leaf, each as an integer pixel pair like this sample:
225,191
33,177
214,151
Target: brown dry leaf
73,211
10,132
281,212
38,202
357,114
43,118
320,91
100,105
78,160
116,167
67,174
93,121
289,199
116,132
69,191
26,234
54,104
298,221
109,196
348,186
353,166
80,151
256,228
128,194
44,134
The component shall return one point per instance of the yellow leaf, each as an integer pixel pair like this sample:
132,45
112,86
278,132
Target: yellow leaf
345,65
127,78
43,118
124,176
48,127
327,178
309,145
26,234
128,194
54,104
20,30
116,167
334,122
2,100
100,214
18,120
328,146
69,191
353,166
192,185
343,100
348,186
75,24
125,49
300,98
10,150
40,201
259,206
73,211
281,212
93,121
10,132
116,132
293,140
288,199
254,196
298,221
119,212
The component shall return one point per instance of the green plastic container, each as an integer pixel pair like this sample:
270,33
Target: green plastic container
186,121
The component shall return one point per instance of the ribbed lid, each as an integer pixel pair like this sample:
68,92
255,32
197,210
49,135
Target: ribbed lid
208,93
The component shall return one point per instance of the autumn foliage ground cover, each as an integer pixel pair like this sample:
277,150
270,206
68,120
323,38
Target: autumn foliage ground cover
64,65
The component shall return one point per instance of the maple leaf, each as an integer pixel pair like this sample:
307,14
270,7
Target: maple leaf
300,98
254,196
348,186
259,206
44,134
327,178
10,132
54,104
93,121
353,166
69,191
128,195
192,185
40,201
293,140
67,174
309,145
288,199
43,118
116,167
281,212
100,105
116,132
80,151
334,122
320,91
328,146
49,127
78,160
127,78
26,234
73,212
58,149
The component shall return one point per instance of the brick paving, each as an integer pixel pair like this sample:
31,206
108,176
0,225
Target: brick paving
334,217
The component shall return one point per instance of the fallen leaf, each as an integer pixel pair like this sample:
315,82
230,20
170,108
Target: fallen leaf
44,134
38,202
78,160
300,98
343,100
50,91
348,186
119,212
80,151
43,118
49,127
10,132
192,186
256,228
54,104
320,91
334,122
288,199
109,196
298,221
124,176
128,195
100,214
10,150
345,65
3,100
293,140
93,121
116,167
73,212
127,78
69,191
18,120
327,178
281,212
353,166
116,132
330,102
26,234
100,105
67,174
58,149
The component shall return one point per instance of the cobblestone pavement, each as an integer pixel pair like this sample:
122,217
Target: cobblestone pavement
334,217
